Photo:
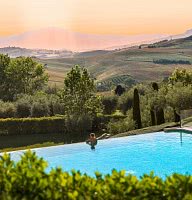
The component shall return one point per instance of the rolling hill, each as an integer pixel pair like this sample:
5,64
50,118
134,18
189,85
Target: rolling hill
138,63
147,62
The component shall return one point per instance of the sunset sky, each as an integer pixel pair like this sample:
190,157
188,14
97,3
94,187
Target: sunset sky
120,17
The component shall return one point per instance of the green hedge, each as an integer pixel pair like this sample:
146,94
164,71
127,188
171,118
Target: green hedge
27,179
32,125
13,126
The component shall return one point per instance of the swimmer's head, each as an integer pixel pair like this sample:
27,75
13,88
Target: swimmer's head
92,135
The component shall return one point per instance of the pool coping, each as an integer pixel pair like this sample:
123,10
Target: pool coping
173,129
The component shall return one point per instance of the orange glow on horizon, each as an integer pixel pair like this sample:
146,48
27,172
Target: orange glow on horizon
120,17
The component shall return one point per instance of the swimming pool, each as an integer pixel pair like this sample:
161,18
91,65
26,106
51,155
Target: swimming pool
164,153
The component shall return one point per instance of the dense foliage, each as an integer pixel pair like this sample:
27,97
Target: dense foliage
79,94
109,104
80,100
28,179
23,81
158,103
181,75
20,76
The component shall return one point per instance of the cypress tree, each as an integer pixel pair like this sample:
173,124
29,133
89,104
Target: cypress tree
155,86
136,110
159,113
160,116
177,116
153,121
119,90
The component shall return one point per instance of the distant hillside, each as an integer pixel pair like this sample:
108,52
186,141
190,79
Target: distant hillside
121,66
122,79
14,52
92,53
176,43
140,63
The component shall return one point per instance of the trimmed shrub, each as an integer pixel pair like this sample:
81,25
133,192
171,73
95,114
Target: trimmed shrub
58,108
28,179
7,110
23,109
40,109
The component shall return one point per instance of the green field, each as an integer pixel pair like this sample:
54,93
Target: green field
135,62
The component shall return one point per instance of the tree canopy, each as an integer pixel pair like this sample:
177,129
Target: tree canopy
20,75
79,94
181,75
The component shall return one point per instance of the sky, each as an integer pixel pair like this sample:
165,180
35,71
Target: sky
114,17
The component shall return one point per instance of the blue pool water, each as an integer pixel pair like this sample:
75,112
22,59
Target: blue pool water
164,153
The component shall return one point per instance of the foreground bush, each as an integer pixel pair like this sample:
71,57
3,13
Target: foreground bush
27,179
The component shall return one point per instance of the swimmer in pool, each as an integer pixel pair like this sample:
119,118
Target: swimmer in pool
92,141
